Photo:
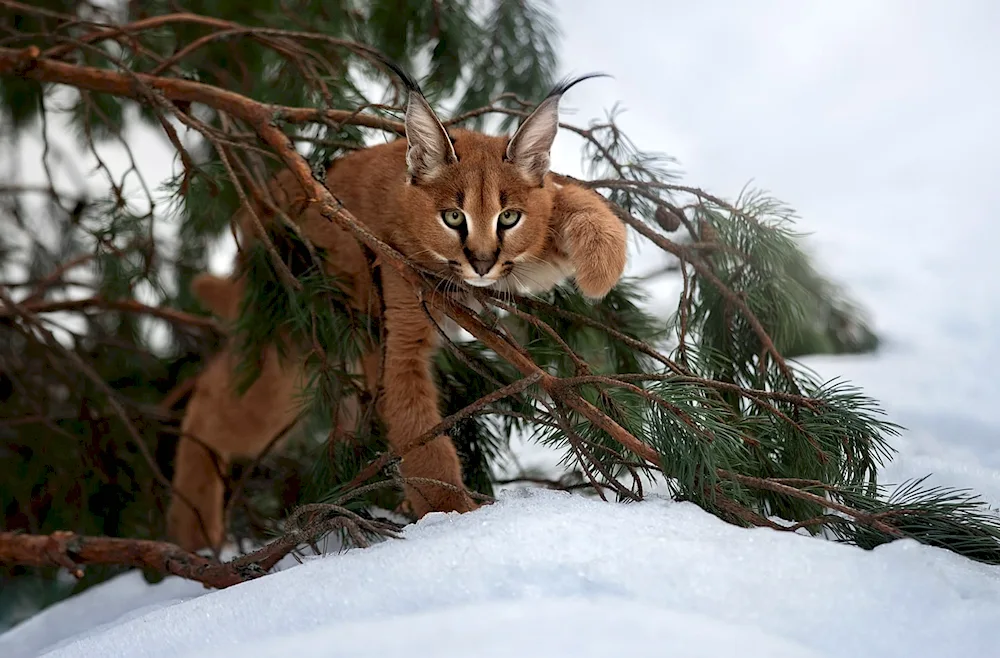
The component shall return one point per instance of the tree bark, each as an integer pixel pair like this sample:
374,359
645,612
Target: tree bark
73,551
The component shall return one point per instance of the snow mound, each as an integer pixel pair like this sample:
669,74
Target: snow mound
542,573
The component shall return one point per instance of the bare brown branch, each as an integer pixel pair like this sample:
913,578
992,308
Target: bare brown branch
72,551
123,305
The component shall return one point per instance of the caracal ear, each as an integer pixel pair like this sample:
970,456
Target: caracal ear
531,143
429,147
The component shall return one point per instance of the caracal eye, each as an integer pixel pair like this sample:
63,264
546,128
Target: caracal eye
509,217
453,217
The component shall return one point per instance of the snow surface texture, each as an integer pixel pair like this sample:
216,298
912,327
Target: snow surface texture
544,573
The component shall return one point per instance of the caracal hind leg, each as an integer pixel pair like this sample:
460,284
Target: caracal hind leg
231,426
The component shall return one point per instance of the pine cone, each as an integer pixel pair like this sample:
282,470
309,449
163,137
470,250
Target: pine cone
667,219
708,233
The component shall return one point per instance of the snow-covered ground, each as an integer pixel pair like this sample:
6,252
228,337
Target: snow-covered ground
549,574
874,120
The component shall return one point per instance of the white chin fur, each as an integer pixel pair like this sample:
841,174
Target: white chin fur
480,283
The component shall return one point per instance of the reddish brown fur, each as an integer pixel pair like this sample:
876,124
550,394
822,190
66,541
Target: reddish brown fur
564,231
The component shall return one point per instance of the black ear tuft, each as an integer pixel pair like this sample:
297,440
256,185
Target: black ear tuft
408,81
531,143
566,84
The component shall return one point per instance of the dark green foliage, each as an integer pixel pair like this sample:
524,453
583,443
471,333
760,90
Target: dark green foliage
206,204
511,28
754,250
953,519
315,320
446,29
620,309
20,100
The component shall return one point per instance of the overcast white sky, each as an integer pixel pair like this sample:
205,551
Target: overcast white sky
865,115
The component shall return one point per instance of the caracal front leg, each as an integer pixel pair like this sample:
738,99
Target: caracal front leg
409,404
592,236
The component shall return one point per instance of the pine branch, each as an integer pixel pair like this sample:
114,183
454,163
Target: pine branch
123,305
28,63
71,551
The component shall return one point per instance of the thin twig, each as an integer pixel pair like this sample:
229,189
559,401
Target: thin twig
124,305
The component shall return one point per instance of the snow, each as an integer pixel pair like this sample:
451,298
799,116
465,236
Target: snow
548,573
846,112
127,596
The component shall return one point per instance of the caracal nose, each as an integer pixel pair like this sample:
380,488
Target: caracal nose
481,263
